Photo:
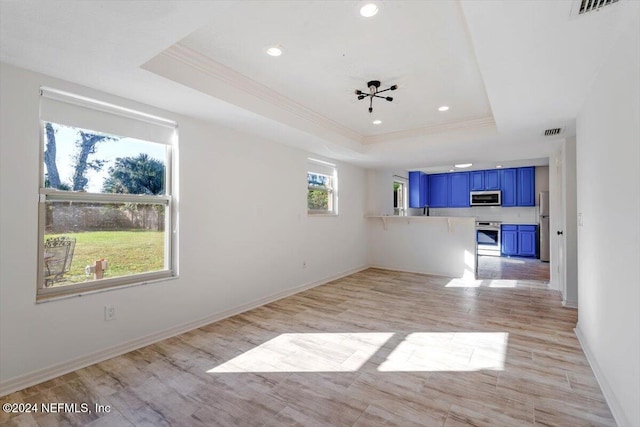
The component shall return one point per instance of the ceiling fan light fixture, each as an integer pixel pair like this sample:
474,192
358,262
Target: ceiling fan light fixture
374,92
369,10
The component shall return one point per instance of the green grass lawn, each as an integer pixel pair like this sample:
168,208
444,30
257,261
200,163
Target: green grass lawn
128,252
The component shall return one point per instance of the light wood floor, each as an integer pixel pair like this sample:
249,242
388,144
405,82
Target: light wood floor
491,267
377,347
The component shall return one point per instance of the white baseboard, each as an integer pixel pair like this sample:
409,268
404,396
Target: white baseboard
569,304
607,391
45,374
405,270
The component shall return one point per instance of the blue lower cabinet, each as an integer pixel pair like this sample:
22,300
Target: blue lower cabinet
509,243
519,240
527,240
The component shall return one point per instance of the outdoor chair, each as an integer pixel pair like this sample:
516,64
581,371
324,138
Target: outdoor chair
58,253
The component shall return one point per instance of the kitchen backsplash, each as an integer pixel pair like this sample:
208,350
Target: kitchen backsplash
512,215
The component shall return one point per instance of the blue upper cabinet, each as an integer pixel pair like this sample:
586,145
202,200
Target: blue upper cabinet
508,179
476,180
492,180
414,189
424,190
484,180
526,186
418,189
458,189
438,190
451,190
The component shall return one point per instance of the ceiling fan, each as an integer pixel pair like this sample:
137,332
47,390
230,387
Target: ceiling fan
373,86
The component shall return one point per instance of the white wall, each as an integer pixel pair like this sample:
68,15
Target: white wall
608,178
240,242
542,180
380,190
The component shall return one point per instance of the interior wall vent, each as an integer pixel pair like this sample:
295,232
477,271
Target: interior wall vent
553,132
580,7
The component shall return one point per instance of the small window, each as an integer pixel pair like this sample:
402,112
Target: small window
399,196
106,207
322,184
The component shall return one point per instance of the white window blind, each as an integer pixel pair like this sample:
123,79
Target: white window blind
85,113
320,167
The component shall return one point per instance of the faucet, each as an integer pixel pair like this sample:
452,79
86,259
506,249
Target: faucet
425,210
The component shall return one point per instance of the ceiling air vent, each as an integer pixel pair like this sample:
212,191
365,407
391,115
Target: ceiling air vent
585,6
552,132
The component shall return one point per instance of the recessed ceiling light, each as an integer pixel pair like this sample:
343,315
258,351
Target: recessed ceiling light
499,167
274,51
443,108
377,122
463,165
369,10
450,170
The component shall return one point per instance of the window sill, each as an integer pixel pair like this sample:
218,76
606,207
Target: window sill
80,293
310,215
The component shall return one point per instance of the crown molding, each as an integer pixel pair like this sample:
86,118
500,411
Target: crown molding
428,130
206,66
226,75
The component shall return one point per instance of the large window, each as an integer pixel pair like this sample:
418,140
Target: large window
106,202
322,188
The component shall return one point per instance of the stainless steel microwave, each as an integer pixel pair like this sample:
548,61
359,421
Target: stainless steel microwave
485,198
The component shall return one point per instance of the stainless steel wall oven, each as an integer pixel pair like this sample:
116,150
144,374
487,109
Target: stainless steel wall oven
488,238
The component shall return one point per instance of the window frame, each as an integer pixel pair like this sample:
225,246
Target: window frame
331,191
401,211
167,199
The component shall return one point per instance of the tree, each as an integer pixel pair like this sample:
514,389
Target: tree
86,146
135,175
53,176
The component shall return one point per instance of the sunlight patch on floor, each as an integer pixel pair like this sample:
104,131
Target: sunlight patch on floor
448,351
484,283
348,352
311,352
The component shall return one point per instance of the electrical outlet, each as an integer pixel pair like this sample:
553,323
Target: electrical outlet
109,313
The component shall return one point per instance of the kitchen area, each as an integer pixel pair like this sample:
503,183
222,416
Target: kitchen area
510,206
486,221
